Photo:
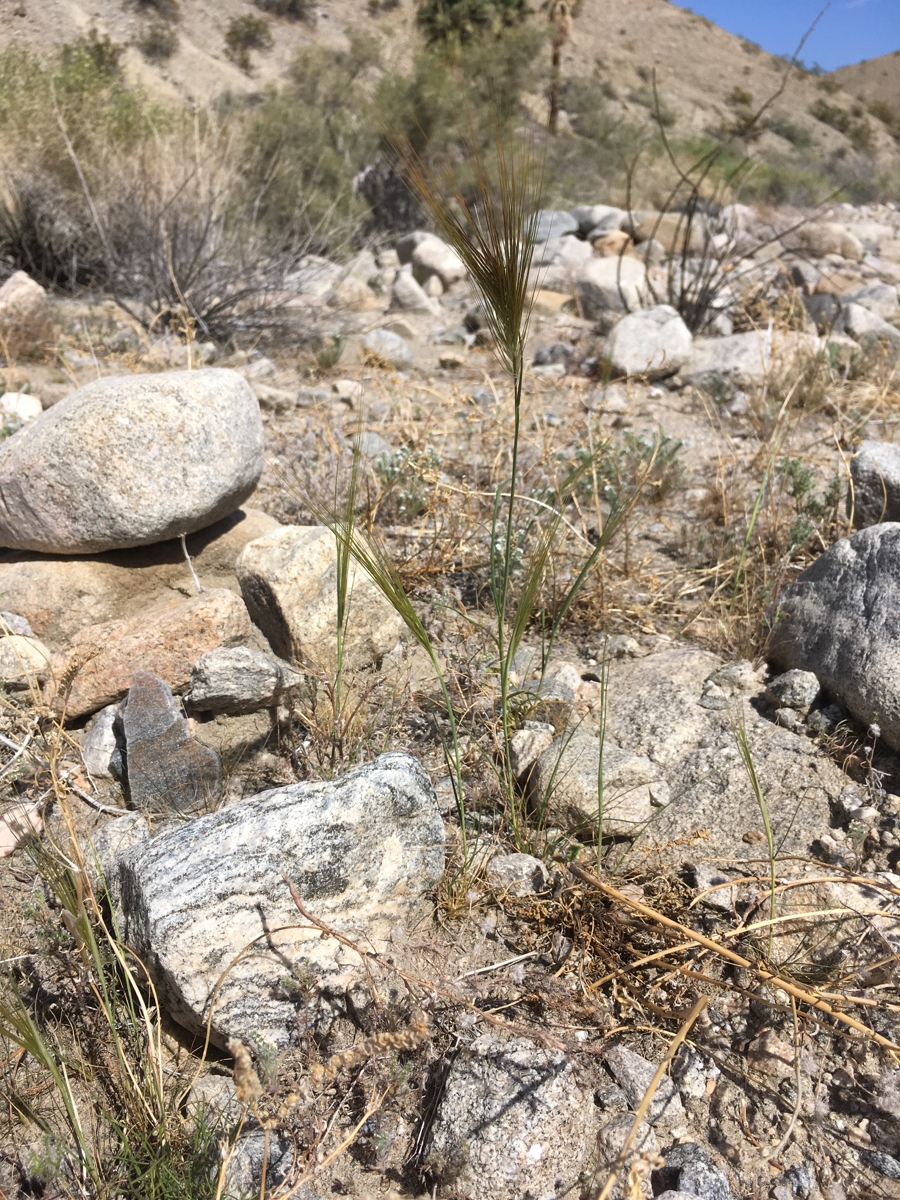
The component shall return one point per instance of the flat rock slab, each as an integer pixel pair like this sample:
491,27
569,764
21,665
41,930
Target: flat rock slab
841,620
364,851
129,461
60,596
166,768
669,717
167,640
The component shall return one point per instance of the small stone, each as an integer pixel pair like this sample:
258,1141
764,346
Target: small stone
236,680
24,662
527,745
452,362
611,285
433,288
633,1074
100,747
875,469
384,347
13,623
594,219
17,409
517,875
884,1164
257,1150
434,257
564,785
824,721
794,689
166,768
350,391
372,445
788,718
839,620
408,295
552,223
129,461
611,1137
653,343
26,329
688,1169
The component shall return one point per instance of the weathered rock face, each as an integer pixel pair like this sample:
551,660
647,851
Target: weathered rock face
364,853
608,285
166,640
671,710
671,230
879,298
129,461
554,223
60,596
875,469
820,238
841,620
513,1123
594,219
655,343
166,768
289,581
25,324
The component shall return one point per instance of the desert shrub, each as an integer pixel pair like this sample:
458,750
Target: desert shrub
157,40
888,116
167,10
645,97
465,19
791,132
311,138
830,86
295,10
850,123
243,35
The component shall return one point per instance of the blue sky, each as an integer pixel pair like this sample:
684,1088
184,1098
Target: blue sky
849,31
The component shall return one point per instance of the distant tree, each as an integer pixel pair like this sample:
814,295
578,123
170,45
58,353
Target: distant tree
462,19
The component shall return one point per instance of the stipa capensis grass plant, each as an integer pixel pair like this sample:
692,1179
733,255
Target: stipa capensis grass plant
491,225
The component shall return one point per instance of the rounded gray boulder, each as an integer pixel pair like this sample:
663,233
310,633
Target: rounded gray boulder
129,461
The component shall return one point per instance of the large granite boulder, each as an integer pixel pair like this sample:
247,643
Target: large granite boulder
131,460
207,906
841,620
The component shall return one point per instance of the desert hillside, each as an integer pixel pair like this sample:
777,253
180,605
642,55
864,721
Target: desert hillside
708,79
875,80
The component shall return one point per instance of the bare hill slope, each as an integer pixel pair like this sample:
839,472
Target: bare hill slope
708,79
875,80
